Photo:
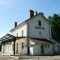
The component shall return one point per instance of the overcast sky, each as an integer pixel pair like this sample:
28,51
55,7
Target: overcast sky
18,10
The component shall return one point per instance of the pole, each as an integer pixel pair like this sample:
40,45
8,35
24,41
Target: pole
37,52
14,45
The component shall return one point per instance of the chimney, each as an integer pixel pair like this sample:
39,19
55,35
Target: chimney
36,12
41,13
15,24
31,13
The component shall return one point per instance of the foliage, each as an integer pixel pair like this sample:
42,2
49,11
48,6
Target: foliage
55,22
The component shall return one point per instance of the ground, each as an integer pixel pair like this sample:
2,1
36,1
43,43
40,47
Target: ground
6,58
30,57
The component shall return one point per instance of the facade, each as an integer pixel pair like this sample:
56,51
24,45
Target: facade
7,48
33,37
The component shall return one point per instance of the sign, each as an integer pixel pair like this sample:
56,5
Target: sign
39,28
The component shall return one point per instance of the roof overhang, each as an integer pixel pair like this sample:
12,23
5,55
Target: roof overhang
7,37
41,41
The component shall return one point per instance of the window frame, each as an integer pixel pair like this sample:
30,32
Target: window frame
39,23
22,33
39,32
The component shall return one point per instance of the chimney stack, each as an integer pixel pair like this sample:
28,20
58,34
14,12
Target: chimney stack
41,13
15,24
36,12
31,13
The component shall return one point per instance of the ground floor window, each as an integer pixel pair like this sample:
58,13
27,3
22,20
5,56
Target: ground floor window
17,48
42,49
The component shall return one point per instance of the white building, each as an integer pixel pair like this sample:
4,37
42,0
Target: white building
33,37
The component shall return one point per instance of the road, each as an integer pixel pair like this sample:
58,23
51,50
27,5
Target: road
6,58
31,58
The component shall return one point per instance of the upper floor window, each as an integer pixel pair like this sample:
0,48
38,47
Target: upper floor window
39,32
39,23
22,32
17,34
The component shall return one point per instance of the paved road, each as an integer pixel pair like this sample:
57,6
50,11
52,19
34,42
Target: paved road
31,58
6,58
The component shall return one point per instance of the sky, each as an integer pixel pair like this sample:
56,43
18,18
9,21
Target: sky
18,11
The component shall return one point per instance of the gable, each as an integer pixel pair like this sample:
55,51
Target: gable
34,17
39,18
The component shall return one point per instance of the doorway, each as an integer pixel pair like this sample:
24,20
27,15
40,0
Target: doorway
42,49
17,48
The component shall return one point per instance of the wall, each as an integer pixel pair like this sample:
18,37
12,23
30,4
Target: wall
48,49
36,50
57,49
31,50
7,48
33,32
19,31
19,42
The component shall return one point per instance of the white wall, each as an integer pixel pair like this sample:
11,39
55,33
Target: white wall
7,48
33,32
57,50
19,31
48,50
19,42
36,50
31,50
2,49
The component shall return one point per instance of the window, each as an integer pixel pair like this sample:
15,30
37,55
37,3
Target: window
17,34
22,45
39,32
39,23
57,45
13,47
22,32
17,48
47,45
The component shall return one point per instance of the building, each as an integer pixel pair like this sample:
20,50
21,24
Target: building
31,37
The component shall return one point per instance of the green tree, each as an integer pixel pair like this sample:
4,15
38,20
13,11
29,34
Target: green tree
55,23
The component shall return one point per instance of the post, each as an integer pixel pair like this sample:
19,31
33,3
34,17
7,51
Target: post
28,46
14,45
37,53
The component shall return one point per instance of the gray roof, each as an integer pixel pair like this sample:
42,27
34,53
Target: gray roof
7,37
42,39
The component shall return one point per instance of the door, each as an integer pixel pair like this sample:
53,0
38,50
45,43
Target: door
17,48
42,49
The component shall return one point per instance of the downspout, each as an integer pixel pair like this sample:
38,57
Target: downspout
14,45
28,50
3,48
49,33
27,30
54,48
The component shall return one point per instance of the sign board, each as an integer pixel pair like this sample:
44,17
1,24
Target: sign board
39,28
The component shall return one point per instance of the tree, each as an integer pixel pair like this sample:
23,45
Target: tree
55,23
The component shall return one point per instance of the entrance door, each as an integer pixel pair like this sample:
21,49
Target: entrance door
42,49
17,48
